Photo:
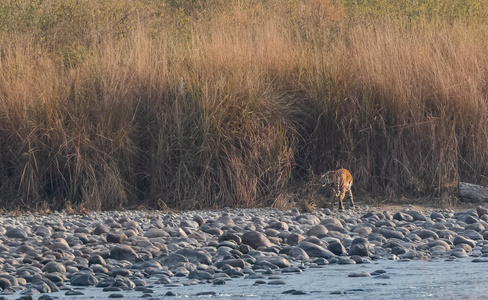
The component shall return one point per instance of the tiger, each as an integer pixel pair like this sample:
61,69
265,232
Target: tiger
342,183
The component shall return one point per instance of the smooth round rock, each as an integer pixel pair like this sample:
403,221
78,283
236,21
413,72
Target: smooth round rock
123,252
255,239
359,274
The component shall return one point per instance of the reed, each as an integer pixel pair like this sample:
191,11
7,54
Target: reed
205,104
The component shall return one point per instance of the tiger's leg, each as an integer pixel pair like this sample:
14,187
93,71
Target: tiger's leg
332,199
341,197
351,199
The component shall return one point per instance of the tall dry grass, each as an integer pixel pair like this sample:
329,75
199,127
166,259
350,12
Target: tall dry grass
205,104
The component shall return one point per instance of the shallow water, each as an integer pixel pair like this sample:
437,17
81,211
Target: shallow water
438,279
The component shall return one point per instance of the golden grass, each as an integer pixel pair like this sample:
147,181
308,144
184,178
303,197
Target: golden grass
236,103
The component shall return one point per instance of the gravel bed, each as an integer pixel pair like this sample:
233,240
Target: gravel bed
141,251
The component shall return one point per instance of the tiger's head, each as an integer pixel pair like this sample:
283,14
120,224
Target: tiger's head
326,178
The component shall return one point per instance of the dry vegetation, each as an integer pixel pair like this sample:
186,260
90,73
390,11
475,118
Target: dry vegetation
196,103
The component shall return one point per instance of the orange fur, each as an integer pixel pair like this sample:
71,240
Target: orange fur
341,181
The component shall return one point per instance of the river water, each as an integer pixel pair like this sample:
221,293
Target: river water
437,279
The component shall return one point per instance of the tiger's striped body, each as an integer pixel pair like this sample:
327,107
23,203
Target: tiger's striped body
341,181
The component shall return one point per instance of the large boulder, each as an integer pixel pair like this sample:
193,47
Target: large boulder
315,250
123,252
255,239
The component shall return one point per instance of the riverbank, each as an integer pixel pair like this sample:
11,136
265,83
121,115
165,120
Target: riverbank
151,253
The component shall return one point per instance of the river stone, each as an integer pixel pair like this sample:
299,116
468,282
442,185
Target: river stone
298,253
278,261
317,241
480,210
123,252
307,219
171,293
230,236
436,216
83,279
13,280
16,232
116,237
278,225
199,219
52,267
468,219
337,248
417,216
189,224
238,263
120,272
462,240
336,228
388,233
55,277
255,239
400,216
359,274
112,289
43,231
212,230
467,248
73,293
472,234
318,231
359,246
358,259
272,233
426,233
4,248
196,255
5,283
315,250
43,282
28,249
155,233
385,223
96,259
478,227
181,272
459,253
333,221
100,228
173,260
40,287
202,275
361,240
294,238
363,230
439,242
276,282
346,261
